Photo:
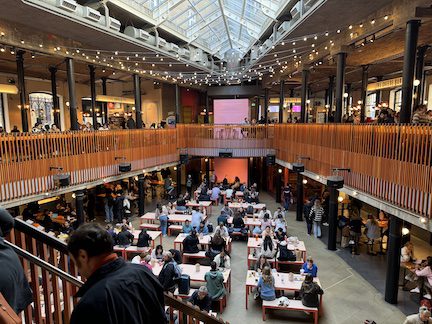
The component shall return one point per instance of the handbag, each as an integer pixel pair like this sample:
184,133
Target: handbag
7,314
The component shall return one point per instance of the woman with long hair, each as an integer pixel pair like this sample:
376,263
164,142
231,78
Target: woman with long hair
266,285
261,263
267,248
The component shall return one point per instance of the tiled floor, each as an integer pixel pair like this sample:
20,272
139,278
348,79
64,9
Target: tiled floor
349,298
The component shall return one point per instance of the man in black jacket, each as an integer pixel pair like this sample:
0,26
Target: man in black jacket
115,291
190,243
168,275
13,283
201,299
125,238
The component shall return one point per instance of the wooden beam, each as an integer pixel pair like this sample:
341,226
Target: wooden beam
423,12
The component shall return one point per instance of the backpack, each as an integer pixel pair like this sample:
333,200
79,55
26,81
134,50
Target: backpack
177,270
250,210
285,254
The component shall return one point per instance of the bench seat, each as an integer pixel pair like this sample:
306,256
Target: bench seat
199,255
174,228
294,305
154,227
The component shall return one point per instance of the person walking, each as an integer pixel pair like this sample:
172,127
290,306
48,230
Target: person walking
316,214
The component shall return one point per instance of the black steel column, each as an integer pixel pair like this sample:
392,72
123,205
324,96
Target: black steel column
266,100
179,191
291,105
332,219
105,104
137,93
281,100
365,78
393,260
347,99
378,93
79,205
279,185
177,103
330,96
299,205
304,92
206,116
411,38
419,75
56,106
92,71
72,97
207,171
340,81
141,195
22,91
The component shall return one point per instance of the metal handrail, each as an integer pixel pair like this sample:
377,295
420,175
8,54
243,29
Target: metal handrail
40,235
45,265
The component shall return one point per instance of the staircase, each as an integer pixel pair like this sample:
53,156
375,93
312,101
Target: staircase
54,280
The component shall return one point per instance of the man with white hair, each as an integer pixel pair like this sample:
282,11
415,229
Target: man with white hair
423,317
167,275
201,299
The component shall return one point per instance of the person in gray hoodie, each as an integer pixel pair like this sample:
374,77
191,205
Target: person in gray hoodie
215,282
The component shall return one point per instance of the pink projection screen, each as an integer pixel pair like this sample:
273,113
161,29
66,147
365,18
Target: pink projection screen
230,111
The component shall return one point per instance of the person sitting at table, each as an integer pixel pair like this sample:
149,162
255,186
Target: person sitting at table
66,228
170,207
143,239
283,253
222,218
201,299
187,227
215,282
222,230
110,229
125,238
264,211
127,223
229,193
227,211
47,222
236,185
257,230
215,194
266,285
423,278
163,220
146,262
190,243
309,292
203,229
407,252
309,267
238,225
280,234
261,263
267,232
137,259
197,218
181,203
223,260
266,222
167,276
216,246
278,213
241,211
253,195
267,248
157,253
281,223
225,183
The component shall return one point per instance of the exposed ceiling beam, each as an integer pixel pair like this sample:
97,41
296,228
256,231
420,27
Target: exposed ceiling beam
225,22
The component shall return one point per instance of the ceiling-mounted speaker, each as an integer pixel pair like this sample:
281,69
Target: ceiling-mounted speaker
298,167
61,180
271,159
225,154
125,167
183,158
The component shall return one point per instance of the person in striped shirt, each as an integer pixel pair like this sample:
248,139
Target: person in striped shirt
316,214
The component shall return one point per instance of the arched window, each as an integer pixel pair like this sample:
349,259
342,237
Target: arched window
41,108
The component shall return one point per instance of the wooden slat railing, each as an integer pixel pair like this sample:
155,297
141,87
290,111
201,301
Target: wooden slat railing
25,159
53,295
391,162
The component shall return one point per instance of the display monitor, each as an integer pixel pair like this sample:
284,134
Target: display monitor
230,111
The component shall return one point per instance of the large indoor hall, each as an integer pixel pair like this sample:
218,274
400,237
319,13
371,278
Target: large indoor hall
215,161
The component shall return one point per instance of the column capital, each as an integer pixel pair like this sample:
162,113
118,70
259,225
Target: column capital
339,49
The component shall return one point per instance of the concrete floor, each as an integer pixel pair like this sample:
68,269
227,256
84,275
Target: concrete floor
348,297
